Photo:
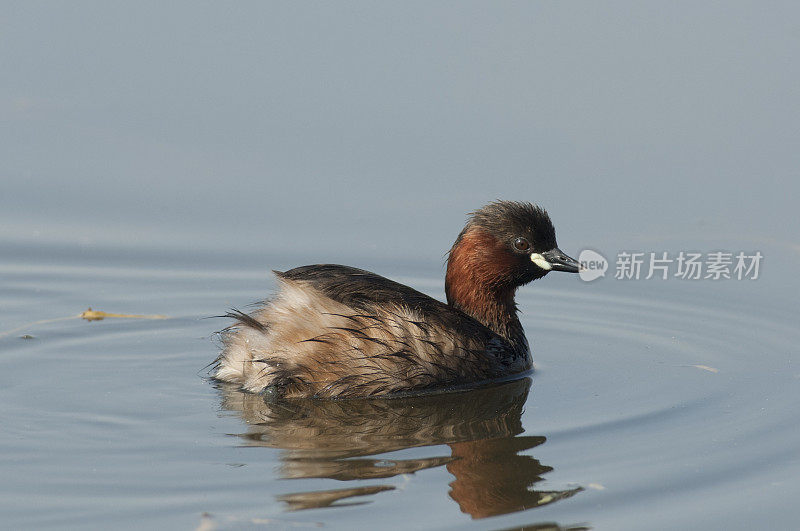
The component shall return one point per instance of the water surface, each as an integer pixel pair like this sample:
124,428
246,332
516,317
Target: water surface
651,403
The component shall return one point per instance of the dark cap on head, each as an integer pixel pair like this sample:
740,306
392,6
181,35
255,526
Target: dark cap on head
508,220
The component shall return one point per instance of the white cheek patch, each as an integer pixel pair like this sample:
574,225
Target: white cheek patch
540,261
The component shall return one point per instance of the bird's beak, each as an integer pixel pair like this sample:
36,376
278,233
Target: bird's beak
556,260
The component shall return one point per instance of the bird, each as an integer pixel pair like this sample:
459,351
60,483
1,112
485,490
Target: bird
333,331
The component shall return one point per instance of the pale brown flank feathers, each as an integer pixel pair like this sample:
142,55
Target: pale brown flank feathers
309,345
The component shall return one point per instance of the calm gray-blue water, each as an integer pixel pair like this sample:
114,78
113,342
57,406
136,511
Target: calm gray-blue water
160,161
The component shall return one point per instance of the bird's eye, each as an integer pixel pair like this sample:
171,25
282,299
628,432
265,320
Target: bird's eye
521,244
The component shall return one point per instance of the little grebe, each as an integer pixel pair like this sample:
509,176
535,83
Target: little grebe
334,331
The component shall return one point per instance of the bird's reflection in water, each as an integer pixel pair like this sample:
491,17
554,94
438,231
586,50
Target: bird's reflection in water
336,438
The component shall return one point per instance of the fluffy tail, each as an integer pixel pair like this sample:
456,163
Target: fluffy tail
236,363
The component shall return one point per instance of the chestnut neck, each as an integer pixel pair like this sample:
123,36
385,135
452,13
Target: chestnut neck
479,283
